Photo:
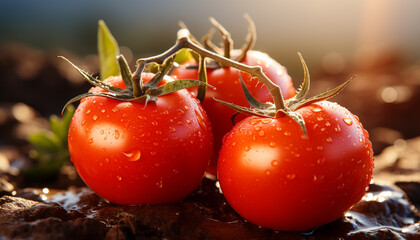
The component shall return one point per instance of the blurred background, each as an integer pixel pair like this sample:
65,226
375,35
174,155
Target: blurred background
377,40
314,28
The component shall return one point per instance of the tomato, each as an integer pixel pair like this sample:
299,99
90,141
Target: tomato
132,153
228,88
276,177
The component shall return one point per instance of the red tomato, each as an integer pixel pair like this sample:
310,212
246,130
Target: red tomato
274,176
129,153
228,88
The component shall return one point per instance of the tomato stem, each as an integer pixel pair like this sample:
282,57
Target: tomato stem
184,41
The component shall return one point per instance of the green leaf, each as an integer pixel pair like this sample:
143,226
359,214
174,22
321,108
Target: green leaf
44,142
107,50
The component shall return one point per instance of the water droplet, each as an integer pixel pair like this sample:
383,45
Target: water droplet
274,163
287,133
247,148
133,155
318,179
103,110
329,140
348,121
200,119
320,161
272,144
254,121
116,134
316,109
160,183
261,133
119,178
180,111
337,129
291,176
268,172
266,120
257,128
95,117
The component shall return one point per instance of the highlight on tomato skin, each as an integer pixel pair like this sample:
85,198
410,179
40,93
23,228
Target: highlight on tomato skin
276,177
133,153
228,88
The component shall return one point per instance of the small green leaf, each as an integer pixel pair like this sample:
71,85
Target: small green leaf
107,50
251,99
94,81
44,142
125,71
175,86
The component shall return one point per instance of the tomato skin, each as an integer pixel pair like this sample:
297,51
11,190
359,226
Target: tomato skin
228,88
129,153
276,178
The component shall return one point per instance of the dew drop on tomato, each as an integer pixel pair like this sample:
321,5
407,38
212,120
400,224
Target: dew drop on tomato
348,121
291,176
200,119
117,134
133,155
316,109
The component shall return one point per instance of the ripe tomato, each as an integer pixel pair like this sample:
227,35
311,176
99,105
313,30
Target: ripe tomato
228,88
275,177
129,153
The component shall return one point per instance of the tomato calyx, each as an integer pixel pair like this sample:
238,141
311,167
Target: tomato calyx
227,45
135,90
290,106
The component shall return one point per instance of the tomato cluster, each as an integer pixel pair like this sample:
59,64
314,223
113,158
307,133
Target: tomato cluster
228,87
293,165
